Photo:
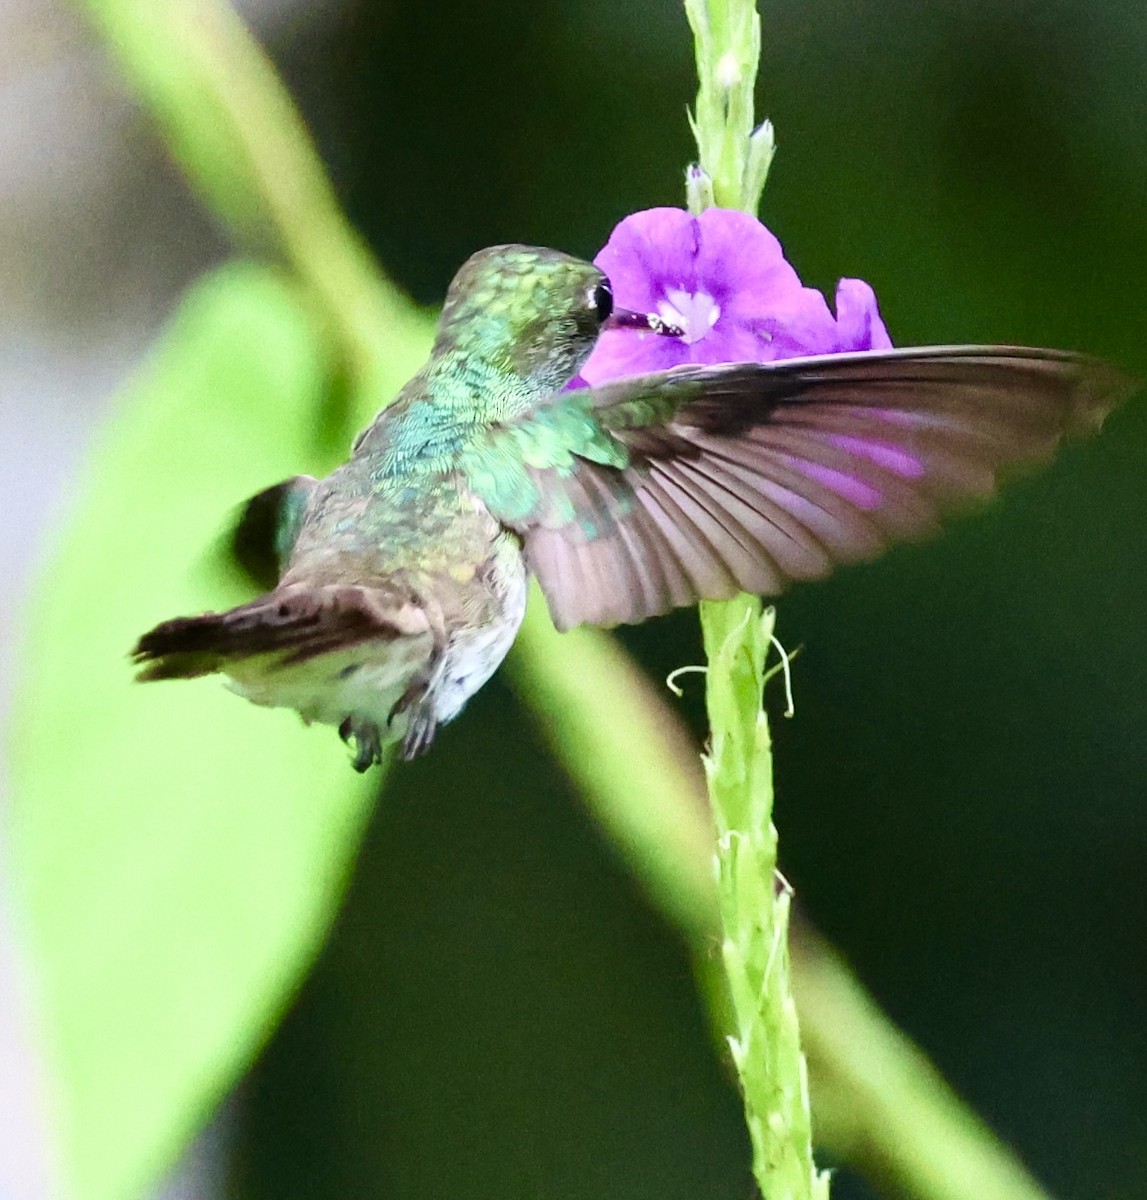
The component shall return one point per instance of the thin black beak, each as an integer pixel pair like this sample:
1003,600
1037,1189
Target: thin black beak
622,318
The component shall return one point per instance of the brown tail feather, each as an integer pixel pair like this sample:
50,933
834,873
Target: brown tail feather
298,622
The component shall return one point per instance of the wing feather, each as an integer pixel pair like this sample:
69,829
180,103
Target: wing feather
701,567
750,476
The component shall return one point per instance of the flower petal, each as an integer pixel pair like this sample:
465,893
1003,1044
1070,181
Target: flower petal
648,253
859,325
740,263
794,325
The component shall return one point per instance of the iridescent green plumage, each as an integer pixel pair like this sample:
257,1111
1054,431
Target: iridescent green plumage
403,573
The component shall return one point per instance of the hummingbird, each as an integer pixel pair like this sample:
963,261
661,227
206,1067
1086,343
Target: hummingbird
402,576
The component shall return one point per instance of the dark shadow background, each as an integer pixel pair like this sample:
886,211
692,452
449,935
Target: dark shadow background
963,792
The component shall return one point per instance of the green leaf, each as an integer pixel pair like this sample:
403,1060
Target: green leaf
177,852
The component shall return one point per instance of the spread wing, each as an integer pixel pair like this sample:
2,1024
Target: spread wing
701,482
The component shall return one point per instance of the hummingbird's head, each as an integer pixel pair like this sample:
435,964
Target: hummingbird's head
531,311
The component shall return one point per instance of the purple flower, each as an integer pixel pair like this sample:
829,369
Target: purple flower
722,278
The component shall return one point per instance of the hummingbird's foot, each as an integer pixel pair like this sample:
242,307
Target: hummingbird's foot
367,743
421,723
421,727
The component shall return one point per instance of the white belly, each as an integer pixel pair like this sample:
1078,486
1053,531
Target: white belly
365,681
475,654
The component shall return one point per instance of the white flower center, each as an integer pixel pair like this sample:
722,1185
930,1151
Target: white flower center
694,312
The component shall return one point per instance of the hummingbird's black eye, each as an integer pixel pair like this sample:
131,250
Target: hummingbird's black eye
601,301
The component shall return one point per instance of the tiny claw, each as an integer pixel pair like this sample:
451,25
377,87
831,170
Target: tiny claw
421,723
367,743
420,731
365,756
415,692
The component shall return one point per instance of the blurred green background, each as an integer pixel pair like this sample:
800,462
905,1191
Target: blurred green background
963,791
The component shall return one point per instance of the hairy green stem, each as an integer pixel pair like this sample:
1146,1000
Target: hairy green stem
765,1043
734,156
755,904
